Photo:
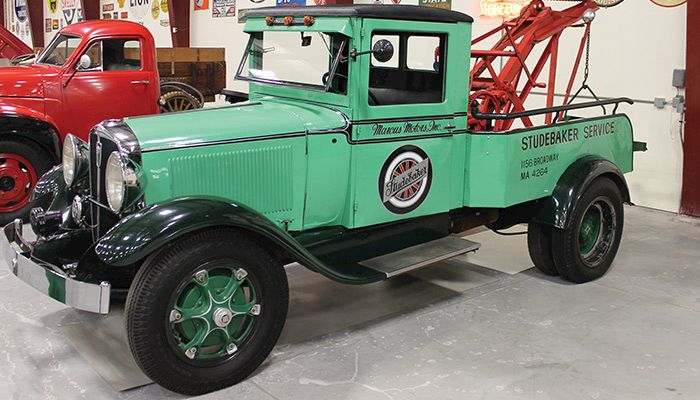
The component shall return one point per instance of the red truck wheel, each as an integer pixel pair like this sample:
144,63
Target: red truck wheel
21,165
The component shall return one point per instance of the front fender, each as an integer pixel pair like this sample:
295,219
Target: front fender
556,210
31,125
51,189
144,232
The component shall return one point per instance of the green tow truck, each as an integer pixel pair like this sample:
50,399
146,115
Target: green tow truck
352,157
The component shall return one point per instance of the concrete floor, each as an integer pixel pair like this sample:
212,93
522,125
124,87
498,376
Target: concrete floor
454,331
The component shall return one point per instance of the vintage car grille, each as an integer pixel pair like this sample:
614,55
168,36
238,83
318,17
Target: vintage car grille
100,149
107,137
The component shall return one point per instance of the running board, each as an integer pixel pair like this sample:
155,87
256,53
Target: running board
419,256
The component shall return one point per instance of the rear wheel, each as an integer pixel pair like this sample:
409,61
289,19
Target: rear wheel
585,249
539,244
178,100
206,311
21,165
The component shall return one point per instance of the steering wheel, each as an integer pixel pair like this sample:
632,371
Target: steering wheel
372,99
23,57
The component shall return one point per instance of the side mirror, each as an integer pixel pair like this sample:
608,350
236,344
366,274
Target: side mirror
383,50
305,40
83,63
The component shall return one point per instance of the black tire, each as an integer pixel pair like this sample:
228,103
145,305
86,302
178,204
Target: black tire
539,245
40,160
149,319
601,198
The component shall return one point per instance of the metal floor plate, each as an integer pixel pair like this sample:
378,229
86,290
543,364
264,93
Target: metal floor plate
419,256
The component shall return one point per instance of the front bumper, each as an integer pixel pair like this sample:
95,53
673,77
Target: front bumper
48,279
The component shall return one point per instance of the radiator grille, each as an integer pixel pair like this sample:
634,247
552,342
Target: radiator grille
259,178
102,219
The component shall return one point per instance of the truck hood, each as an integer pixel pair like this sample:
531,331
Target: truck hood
21,81
267,117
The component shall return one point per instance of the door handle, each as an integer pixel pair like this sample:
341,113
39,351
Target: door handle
143,82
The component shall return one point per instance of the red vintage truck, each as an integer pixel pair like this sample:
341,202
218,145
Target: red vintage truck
91,71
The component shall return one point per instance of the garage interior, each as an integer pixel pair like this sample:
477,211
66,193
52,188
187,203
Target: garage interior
487,325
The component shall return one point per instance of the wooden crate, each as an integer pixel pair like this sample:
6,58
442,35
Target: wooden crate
203,68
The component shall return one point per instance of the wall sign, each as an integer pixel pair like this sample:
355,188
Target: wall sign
223,8
139,8
21,10
291,3
53,6
155,9
501,8
201,5
446,4
71,11
669,3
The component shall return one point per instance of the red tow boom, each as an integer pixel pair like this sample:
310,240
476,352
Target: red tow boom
502,92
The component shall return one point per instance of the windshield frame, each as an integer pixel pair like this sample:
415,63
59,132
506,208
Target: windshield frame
52,46
319,88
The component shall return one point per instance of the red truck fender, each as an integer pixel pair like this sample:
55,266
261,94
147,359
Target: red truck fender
31,125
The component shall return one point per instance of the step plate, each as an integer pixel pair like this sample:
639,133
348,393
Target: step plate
420,256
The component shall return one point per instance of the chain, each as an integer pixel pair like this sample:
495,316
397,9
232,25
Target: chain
586,70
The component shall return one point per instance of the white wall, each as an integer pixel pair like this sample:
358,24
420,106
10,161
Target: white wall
635,47
152,14
206,31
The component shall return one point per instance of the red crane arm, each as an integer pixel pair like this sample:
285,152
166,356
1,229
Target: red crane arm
497,91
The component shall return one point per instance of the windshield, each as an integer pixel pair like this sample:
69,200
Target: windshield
60,49
313,60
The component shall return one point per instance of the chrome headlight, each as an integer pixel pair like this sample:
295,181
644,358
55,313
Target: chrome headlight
75,160
119,177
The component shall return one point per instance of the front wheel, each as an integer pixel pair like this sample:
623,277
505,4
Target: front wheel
21,165
206,311
585,249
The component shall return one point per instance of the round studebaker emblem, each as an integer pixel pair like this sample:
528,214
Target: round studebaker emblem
405,179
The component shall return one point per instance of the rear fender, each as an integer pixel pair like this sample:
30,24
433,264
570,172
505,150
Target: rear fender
556,210
143,233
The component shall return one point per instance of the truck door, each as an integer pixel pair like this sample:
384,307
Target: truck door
405,131
119,82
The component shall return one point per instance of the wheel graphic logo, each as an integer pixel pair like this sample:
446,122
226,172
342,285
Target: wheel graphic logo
405,178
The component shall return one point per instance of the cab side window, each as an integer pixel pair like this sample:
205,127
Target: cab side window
115,55
414,75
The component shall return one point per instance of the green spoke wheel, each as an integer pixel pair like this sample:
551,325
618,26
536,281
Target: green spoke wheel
585,248
213,312
205,312
596,232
